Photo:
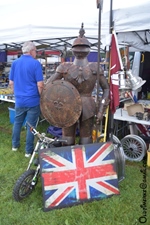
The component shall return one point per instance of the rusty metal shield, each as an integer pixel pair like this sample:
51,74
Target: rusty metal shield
60,103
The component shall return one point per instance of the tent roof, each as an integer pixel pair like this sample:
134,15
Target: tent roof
52,24
131,24
55,24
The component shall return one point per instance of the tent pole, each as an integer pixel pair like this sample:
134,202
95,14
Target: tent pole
111,17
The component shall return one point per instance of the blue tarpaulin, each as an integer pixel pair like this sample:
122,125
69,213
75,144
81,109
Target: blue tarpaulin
3,57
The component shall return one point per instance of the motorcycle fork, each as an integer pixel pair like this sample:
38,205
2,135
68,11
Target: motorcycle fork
34,179
38,144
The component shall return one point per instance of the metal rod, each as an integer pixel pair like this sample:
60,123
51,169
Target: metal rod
111,17
111,116
98,63
98,60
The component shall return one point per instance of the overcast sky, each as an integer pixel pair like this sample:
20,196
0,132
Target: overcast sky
89,4
67,13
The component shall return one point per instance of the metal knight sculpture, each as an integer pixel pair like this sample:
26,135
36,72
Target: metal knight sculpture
67,101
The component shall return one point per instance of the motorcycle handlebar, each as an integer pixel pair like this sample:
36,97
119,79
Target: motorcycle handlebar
35,132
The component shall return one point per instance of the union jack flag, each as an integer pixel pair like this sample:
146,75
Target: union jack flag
75,174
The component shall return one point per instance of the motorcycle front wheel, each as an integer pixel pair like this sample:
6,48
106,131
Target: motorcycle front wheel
24,185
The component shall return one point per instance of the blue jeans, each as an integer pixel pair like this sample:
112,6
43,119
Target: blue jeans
31,114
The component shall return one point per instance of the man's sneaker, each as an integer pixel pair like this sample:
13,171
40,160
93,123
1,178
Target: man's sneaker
27,155
14,149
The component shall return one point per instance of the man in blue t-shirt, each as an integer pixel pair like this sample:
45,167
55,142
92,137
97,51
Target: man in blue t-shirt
26,79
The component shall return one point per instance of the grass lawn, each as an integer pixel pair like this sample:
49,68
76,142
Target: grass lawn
124,209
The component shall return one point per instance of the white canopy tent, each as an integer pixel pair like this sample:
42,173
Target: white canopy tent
52,23
131,23
55,24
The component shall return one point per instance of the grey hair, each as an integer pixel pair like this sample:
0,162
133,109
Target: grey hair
28,46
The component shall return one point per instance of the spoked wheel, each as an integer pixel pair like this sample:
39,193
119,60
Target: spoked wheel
142,140
23,187
134,147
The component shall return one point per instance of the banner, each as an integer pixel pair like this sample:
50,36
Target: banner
115,66
75,174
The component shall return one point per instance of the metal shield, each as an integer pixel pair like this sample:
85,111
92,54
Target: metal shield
61,103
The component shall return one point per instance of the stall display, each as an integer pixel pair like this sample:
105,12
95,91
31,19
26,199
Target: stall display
6,94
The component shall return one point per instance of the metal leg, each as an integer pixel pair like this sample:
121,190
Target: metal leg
133,129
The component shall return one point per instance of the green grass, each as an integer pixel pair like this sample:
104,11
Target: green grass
123,209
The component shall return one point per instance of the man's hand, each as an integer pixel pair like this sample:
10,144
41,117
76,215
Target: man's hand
99,117
11,85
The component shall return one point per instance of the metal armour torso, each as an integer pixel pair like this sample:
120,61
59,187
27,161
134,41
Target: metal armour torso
84,79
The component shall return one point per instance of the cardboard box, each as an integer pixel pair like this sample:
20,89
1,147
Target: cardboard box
128,103
133,109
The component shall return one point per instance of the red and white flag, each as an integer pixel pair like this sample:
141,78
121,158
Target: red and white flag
115,66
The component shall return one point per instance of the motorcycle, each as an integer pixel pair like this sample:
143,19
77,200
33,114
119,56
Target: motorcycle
28,180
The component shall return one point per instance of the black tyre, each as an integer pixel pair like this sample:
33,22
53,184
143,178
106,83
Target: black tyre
23,187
